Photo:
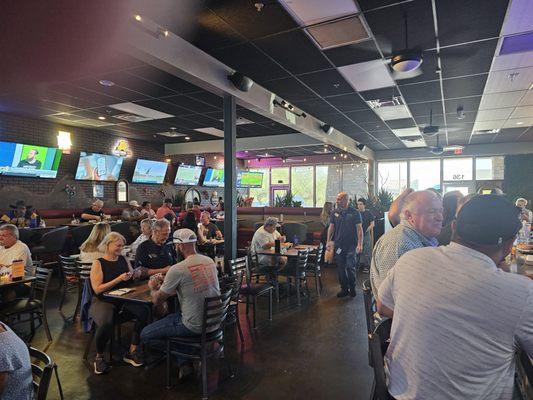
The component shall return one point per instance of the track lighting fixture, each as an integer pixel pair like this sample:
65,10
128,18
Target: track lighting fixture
288,107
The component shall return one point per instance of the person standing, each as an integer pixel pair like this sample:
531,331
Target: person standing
346,231
368,228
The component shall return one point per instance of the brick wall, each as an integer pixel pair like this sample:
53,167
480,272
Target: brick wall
49,193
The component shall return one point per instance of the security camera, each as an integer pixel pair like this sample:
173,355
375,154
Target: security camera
460,112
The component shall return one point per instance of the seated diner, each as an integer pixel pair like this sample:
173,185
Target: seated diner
156,255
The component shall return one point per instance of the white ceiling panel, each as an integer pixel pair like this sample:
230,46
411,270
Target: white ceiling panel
500,100
510,61
308,12
393,112
492,115
211,131
488,125
406,132
509,80
523,112
417,143
518,122
527,100
518,17
367,75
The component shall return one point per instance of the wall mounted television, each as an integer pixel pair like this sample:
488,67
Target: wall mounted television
214,177
28,160
98,167
188,175
249,179
148,171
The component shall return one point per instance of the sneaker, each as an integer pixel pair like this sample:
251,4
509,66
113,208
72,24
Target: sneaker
353,293
134,359
101,366
343,293
185,370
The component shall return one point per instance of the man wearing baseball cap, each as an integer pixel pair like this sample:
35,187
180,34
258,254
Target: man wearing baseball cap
132,213
192,279
458,319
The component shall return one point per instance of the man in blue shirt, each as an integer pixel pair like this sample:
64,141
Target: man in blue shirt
346,231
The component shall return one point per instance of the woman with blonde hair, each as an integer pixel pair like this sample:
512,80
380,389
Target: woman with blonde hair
113,271
89,249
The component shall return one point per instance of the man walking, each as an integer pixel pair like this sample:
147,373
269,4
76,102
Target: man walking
347,233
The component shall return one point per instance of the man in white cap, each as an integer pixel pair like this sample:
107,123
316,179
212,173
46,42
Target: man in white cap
132,213
192,279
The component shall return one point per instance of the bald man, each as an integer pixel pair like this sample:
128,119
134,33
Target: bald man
346,231
421,222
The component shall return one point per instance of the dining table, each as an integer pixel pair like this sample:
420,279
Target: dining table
290,252
25,279
139,293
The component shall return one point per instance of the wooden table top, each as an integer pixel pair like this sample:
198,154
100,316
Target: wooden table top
139,294
25,279
292,252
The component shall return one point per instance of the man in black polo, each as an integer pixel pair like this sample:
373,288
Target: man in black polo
155,255
347,233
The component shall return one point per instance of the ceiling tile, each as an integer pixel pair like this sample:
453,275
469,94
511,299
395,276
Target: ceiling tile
469,104
327,83
363,116
353,53
425,108
294,51
509,80
208,98
367,75
406,132
527,100
289,89
468,59
425,120
338,32
336,120
308,12
348,102
165,107
189,103
491,115
518,122
393,112
468,116
401,123
373,126
500,100
463,87
163,78
519,17
512,61
428,68
421,92
488,125
316,107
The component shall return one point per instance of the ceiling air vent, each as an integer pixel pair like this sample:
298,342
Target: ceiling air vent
338,33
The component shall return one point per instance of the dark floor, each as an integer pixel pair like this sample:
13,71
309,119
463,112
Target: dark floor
316,351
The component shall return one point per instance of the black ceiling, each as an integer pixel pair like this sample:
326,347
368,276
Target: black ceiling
272,49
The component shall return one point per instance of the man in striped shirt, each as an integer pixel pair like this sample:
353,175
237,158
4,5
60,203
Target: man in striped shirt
458,319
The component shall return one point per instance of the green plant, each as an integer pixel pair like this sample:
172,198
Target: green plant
287,201
178,198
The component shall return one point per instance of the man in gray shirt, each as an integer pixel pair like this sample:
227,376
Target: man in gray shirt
15,367
192,279
457,319
132,213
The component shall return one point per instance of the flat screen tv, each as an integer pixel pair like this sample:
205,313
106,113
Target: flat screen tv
214,177
29,160
148,171
98,167
188,175
249,179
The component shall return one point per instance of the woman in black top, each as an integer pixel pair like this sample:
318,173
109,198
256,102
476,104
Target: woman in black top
113,271
189,222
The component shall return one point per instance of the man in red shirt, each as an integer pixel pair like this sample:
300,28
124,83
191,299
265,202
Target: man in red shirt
165,211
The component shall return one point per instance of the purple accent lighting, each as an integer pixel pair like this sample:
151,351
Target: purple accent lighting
517,44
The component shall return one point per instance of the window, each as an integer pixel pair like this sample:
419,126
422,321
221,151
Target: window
457,169
261,195
280,176
327,183
355,179
392,176
424,174
302,185
489,168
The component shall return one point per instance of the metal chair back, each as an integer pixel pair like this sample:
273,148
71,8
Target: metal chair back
215,312
301,261
379,342
80,234
40,285
240,266
84,270
68,266
54,241
370,306
42,367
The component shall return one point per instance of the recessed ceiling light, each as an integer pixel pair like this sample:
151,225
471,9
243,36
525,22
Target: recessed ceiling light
334,157
519,123
187,138
305,159
246,151
105,82
138,18
101,118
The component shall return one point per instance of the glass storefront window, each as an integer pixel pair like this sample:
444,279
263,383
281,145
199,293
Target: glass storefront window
457,169
392,176
424,174
280,176
303,184
261,195
489,168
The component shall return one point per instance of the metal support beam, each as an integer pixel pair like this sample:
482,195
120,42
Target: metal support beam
230,179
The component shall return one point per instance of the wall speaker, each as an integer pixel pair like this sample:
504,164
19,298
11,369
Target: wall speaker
241,82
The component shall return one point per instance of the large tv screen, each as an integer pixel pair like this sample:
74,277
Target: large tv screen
147,171
249,179
214,177
98,167
29,160
188,175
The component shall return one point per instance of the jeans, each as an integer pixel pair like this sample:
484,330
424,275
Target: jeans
346,262
155,334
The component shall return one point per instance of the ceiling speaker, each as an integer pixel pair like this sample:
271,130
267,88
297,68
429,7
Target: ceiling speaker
328,129
361,147
241,82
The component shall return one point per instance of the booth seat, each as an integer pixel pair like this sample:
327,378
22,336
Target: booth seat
60,216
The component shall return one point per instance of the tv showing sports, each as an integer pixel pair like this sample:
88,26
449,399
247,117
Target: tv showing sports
98,167
214,177
249,179
188,175
33,161
148,171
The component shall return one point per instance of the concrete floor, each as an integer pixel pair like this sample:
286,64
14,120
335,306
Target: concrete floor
316,351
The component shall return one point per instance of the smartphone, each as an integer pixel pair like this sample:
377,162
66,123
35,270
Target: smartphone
101,166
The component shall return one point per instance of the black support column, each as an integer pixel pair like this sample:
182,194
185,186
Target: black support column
230,180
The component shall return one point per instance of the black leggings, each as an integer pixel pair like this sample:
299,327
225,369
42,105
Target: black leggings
103,314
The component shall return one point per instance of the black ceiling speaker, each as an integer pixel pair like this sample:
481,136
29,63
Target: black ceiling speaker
328,129
241,82
361,147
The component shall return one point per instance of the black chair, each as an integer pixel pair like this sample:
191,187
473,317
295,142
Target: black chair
220,226
41,369
379,342
70,281
125,229
370,309
52,242
233,282
250,289
314,268
298,271
35,305
293,231
209,344
80,234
